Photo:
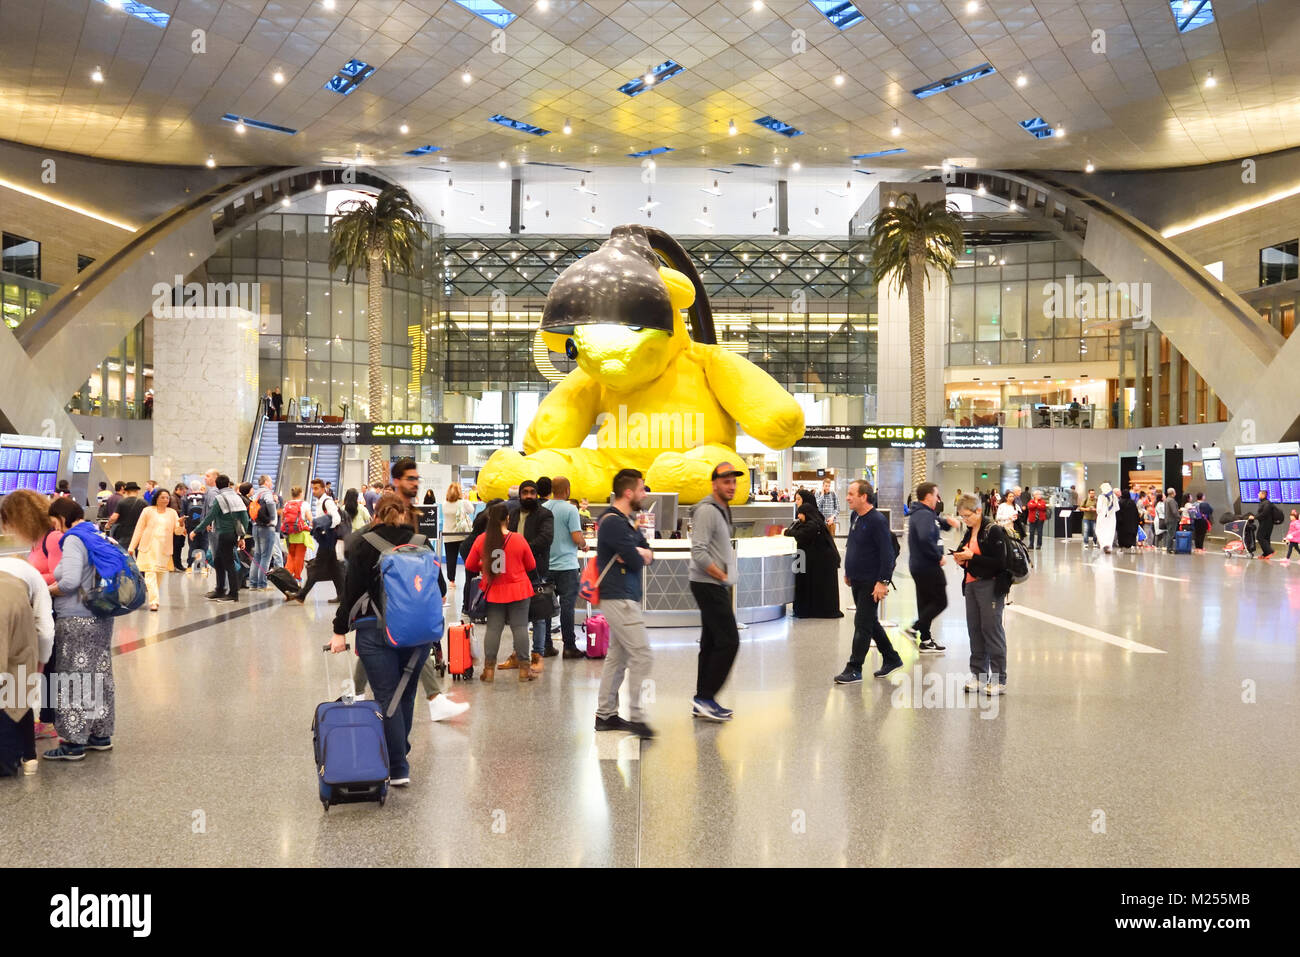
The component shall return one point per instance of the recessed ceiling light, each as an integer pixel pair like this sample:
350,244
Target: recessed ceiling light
1088,167
896,130
318,187
327,4
240,127
1060,131
1210,81
212,161
285,201
757,4
278,76
1021,80
543,5
795,166
568,127
465,77
1013,207
97,76
731,128
404,129
981,190
839,79
972,6
502,164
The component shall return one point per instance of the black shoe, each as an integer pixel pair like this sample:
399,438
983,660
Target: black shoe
228,598
640,729
550,652
573,653
888,669
612,723
849,675
332,601
932,647
215,595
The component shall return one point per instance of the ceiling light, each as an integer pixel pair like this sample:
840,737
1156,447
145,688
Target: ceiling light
731,128
1088,167
212,161
896,130
839,79
240,127
115,4
757,5
318,187
1013,207
1210,81
465,77
278,76
97,76
1021,80
285,201
649,78
568,127
404,129
795,166
327,4
501,164
543,5
981,191
972,6
1060,131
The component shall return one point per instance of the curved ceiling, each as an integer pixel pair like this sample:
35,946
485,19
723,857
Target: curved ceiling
1141,103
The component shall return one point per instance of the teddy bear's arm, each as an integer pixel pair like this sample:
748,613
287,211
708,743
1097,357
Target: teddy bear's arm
756,400
565,416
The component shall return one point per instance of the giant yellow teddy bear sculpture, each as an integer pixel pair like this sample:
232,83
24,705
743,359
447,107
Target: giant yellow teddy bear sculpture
660,401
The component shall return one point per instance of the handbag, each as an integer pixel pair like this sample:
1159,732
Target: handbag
544,599
478,604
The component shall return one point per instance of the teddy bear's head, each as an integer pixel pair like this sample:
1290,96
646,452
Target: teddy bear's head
618,312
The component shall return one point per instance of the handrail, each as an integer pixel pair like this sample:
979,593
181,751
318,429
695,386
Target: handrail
255,439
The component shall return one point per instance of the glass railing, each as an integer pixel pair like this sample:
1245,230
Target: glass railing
1031,416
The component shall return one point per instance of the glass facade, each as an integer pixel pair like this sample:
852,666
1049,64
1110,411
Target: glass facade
22,297
1008,306
796,308
117,387
1278,263
21,256
313,343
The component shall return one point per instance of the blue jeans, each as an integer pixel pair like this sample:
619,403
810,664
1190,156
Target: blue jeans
1090,531
566,591
263,552
384,665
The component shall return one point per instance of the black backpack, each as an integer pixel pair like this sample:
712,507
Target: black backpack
193,510
266,510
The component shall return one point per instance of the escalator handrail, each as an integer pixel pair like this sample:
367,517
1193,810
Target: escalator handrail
255,439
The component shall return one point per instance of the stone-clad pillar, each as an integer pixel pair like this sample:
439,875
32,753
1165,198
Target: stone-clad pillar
205,383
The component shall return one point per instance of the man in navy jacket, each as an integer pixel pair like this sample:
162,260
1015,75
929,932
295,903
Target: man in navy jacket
925,564
868,569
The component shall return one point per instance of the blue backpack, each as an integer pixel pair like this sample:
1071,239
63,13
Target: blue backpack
410,605
119,586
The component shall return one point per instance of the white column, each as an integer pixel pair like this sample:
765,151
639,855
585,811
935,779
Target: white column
205,383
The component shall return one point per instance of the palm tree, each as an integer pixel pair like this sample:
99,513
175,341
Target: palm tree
379,237
907,239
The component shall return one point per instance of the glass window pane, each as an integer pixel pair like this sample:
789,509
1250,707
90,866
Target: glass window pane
986,353
1013,352
1038,350
1041,270
295,306
1041,252
1039,304
961,354
295,236
318,241
270,241
988,301
318,307
1013,310
961,305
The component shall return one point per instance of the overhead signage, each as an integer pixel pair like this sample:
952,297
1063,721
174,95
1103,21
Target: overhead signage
397,433
902,436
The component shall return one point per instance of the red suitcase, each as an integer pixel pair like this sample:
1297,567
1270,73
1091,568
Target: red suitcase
597,627
460,660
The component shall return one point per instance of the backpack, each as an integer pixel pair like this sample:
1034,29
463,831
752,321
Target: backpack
1019,564
262,509
323,528
293,522
409,611
104,511
193,510
462,520
119,586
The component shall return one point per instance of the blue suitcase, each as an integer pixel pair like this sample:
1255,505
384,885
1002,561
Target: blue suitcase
351,753
1182,543
351,750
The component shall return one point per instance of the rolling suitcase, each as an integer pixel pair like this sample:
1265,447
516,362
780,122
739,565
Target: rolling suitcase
597,628
1183,543
282,579
351,750
460,658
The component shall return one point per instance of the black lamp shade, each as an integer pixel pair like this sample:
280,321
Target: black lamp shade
619,283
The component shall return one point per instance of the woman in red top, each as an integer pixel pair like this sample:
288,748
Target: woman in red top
507,588
1037,517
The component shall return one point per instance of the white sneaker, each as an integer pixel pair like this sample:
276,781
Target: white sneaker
29,767
400,782
993,688
441,708
974,684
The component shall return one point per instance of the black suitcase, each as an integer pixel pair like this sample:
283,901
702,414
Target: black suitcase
282,579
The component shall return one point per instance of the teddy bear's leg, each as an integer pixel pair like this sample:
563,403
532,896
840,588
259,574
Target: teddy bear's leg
590,471
688,473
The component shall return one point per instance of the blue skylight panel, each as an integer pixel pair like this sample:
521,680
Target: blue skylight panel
493,13
653,151
1037,127
258,124
839,12
664,71
142,11
957,79
776,126
1191,14
351,75
519,125
865,156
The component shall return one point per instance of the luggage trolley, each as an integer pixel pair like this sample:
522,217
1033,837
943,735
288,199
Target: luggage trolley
1235,531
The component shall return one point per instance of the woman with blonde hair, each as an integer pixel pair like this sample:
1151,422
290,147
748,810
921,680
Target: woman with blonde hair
457,523
151,542
293,509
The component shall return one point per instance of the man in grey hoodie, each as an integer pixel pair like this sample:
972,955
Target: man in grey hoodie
713,573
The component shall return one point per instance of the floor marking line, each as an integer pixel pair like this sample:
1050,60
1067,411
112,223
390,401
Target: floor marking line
181,631
1125,643
1129,571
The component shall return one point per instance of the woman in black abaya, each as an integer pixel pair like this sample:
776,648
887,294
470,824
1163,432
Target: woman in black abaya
817,583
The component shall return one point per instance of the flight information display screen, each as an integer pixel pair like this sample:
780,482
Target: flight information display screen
29,461
1274,469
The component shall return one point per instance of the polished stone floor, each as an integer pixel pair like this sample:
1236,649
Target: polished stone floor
1152,719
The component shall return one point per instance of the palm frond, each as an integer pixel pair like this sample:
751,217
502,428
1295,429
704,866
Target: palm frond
933,227
390,227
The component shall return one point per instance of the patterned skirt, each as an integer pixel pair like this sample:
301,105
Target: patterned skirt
81,686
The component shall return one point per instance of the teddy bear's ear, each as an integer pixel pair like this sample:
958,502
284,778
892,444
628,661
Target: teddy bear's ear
680,289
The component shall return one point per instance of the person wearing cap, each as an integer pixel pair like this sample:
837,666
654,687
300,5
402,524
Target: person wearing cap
128,511
712,574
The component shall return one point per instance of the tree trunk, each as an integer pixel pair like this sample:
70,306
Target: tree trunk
914,282
374,357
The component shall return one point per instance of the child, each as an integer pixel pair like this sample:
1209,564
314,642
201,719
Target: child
1293,534
1248,535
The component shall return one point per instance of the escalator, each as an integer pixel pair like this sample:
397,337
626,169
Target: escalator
265,455
327,464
